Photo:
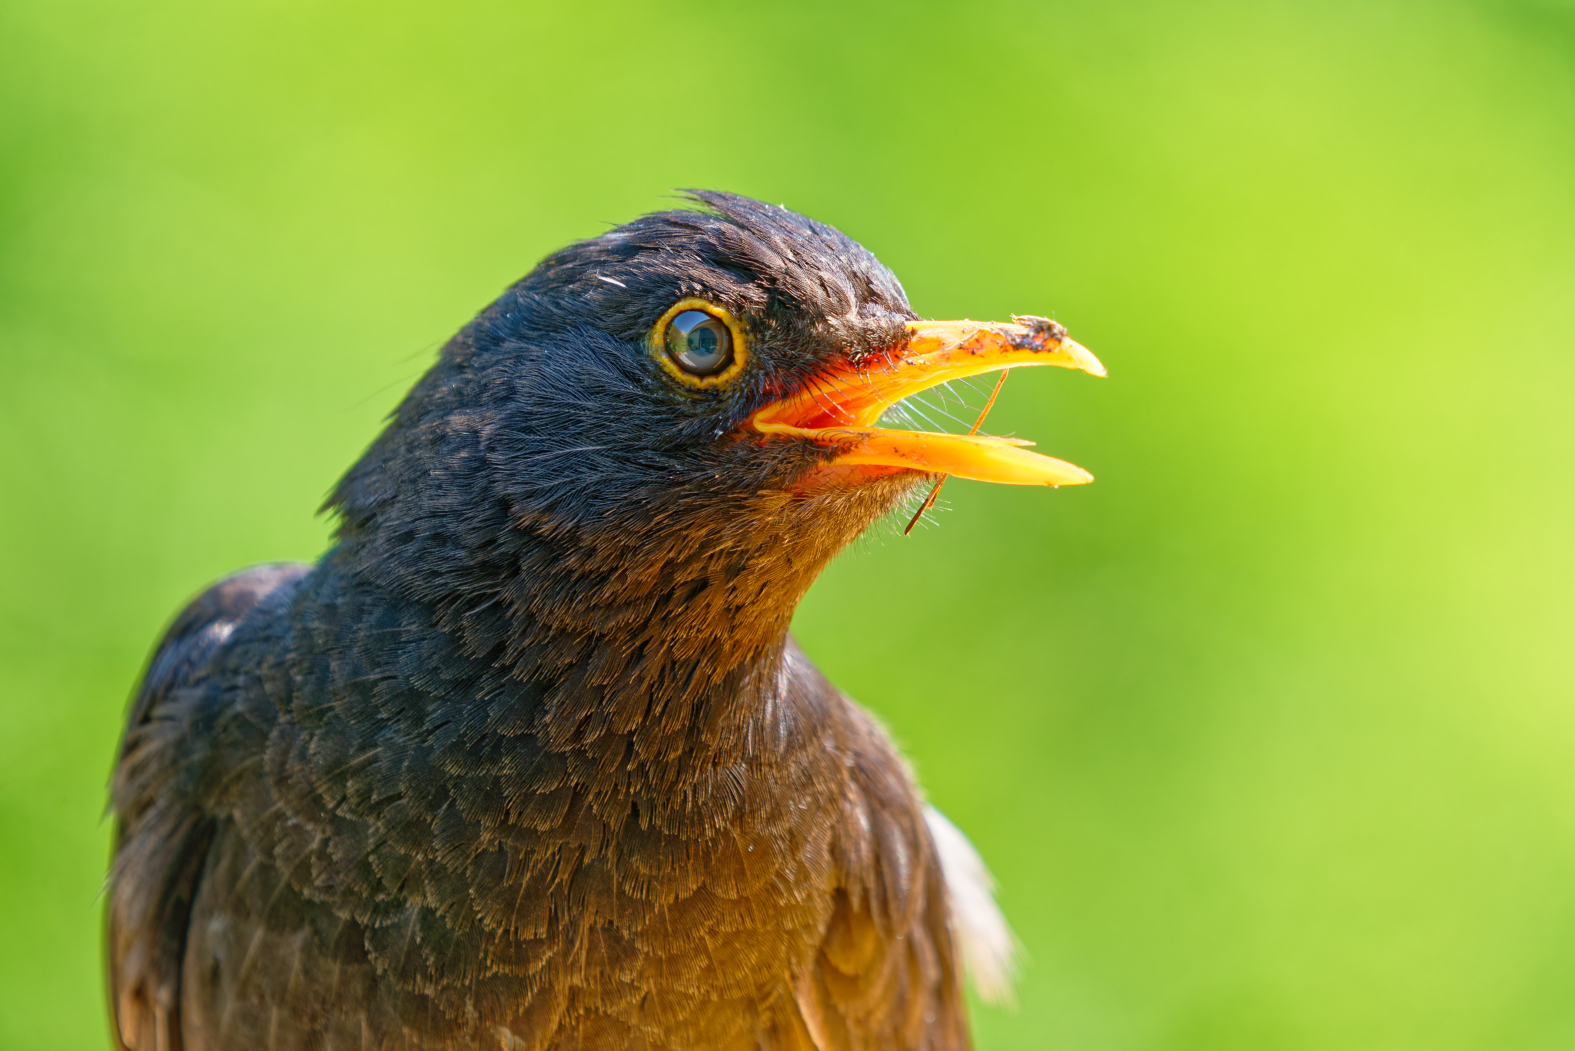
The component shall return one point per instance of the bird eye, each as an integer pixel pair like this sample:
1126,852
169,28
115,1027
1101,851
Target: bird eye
700,343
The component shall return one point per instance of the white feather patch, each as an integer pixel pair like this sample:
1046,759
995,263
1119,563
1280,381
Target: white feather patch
988,948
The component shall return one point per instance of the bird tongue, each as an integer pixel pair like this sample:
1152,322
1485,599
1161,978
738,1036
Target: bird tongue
840,407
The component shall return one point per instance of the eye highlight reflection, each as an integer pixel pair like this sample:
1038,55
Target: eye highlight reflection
699,343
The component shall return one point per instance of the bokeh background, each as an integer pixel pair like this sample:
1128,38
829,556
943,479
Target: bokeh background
1269,734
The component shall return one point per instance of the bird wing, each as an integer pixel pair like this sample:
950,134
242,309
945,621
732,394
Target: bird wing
163,836
984,939
887,974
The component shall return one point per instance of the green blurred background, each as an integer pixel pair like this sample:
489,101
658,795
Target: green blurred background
1269,735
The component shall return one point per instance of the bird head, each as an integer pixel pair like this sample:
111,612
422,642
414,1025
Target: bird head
661,435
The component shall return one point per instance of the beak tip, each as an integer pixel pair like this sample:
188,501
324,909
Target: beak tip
1059,473
1084,357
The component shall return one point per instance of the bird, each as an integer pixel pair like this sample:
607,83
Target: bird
528,758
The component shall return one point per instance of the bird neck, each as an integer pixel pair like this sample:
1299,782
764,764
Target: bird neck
676,641
667,626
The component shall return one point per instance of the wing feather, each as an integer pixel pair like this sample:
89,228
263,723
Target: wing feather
988,947
886,976
163,836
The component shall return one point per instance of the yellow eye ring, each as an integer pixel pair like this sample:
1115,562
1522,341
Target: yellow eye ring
661,350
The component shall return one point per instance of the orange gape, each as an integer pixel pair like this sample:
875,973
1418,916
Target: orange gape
840,406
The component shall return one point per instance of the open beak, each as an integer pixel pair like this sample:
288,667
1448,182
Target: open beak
840,408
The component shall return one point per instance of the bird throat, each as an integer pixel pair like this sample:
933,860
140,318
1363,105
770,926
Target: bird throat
676,638
666,627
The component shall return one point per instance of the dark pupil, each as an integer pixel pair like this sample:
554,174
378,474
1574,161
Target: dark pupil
699,342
